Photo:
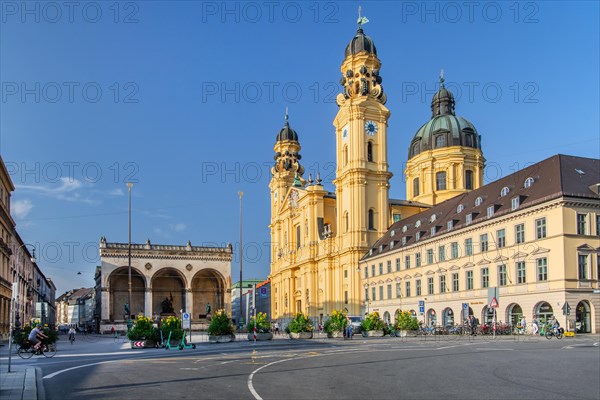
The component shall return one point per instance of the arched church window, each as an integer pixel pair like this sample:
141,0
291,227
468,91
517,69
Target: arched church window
415,149
440,180
468,179
469,140
371,219
370,151
440,141
416,187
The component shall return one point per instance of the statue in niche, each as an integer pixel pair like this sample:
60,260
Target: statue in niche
208,308
167,305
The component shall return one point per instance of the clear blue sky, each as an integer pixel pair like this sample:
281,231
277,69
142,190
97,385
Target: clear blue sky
186,98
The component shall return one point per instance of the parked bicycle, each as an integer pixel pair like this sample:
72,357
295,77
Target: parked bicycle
26,350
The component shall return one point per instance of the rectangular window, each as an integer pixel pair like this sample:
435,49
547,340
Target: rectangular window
598,227
514,203
380,268
345,273
502,275
366,271
418,236
450,225
389,266
373,293
397,264
521,272
442,253
429,256
417,259
483,242
542,269
298,237
373,270
442,283
407,289
581,224
381,292
433,230
455,282
469,247
407,262
440,181
345,297
454,250
501,235
367,294
398,290
430,285
540,228
389,291
418,287
485,277
469,280
490,211
520,233
582,264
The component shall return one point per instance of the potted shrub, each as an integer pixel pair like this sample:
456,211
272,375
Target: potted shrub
405,322
300,327
143,333
221,328
335,325
263,327
172,325
372,325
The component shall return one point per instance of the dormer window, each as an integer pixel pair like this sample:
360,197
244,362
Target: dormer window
418,223
478,201
504,191
432,218
515,202
460,208
469,218
392,244
490,211
450,225
404,228
404,239
418,236
380,248
528,182
392,233
370,252
433,230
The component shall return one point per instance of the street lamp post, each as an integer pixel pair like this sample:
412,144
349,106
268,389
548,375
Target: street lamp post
13,302
128,309
240,193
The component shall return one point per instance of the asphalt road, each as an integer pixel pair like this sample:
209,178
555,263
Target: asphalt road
330,369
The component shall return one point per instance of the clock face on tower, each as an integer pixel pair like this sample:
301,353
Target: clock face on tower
370,128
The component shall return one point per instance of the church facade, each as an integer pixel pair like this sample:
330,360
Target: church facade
317,236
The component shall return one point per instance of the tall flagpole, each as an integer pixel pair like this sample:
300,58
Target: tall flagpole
241,320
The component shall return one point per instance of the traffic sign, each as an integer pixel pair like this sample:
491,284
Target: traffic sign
422,310
421,303
566,309
186,320
494,303
465,306
263,292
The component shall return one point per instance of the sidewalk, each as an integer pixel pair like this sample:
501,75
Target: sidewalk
19,384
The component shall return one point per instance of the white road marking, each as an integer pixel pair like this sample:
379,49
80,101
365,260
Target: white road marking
52,375
486,349
251,387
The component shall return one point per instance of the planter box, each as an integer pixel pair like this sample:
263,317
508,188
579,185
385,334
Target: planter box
221,338
260,336
301,335
335,334
142,344
372,333
401,333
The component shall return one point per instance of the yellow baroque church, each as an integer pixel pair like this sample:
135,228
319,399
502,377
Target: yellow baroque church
317,236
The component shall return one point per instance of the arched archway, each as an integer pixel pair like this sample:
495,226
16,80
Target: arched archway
431,317
386,317
118,282
543,312
208,286
514,312
583,317
448,317
487,315
168,284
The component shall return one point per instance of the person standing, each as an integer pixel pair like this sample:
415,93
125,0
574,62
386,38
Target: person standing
349,331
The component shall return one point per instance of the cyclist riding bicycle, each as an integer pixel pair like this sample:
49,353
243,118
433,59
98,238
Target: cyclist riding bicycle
36,336
554,323
72,334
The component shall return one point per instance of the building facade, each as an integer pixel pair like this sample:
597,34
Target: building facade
318,237
76,308
186,277
532,237
7,227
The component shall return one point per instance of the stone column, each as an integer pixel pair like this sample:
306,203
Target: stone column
188,301
148,302
105,312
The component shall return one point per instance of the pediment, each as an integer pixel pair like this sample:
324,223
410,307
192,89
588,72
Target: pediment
442,270
407,276
418,275
539,250
430,272
454,268
483,261
468,265
398,279
585,247
388,280
500,258
519,255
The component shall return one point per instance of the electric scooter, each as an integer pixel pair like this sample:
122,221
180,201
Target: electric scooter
184,344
